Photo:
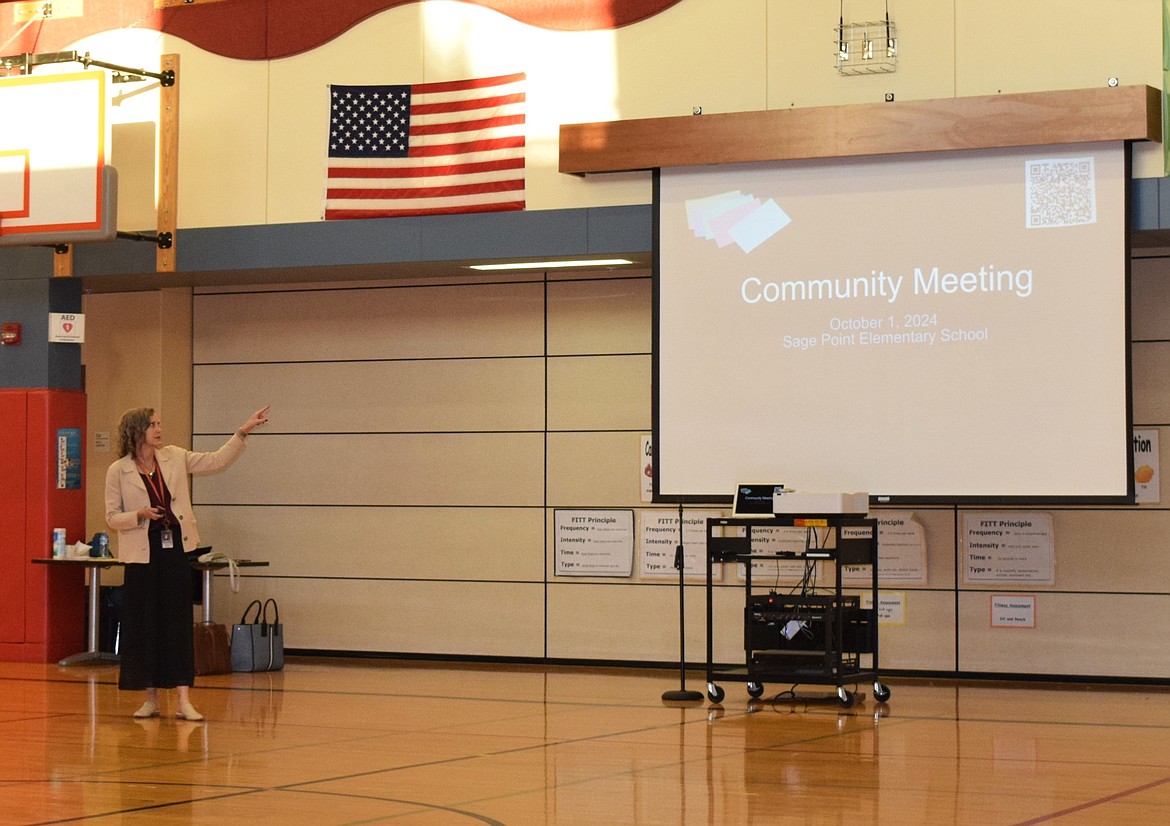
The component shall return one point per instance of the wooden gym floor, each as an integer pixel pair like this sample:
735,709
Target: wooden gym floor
360,742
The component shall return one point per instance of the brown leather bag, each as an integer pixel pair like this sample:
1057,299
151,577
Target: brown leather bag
213,649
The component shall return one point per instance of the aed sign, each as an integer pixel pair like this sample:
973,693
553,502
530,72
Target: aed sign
67,328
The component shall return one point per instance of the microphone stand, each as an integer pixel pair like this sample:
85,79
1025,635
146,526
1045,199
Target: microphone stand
681,694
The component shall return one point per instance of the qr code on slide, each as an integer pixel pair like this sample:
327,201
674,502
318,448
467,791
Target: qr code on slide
1060,193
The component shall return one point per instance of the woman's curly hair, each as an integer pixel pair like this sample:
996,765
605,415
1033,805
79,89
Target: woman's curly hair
132,430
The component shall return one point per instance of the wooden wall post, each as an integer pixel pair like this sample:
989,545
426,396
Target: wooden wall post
63,262
168,163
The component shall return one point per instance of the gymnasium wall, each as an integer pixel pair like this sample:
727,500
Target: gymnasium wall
424,433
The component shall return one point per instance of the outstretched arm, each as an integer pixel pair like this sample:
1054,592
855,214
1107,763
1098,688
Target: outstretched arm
231,450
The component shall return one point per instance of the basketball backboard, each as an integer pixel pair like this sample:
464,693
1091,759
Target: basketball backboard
53,178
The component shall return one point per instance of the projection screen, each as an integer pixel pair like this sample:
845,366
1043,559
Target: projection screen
948,326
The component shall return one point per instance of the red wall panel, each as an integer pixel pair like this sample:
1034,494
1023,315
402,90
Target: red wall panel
13,567
50,621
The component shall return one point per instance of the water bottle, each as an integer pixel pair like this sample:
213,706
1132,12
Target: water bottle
99,546
58,543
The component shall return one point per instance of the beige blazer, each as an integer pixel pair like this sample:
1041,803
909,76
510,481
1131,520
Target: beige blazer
126,494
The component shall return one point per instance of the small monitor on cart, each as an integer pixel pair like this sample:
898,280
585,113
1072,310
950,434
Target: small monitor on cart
753,500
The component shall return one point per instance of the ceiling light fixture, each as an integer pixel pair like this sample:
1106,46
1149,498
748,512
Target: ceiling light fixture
553,265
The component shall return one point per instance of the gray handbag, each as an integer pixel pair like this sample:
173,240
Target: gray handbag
258,645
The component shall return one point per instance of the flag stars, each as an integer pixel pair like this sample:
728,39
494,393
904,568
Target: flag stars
370,121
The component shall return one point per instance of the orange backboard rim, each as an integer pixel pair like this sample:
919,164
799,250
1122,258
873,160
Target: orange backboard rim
18,213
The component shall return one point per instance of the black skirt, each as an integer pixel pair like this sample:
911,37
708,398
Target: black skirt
157,644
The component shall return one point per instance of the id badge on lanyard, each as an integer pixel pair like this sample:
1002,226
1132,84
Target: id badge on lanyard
166,535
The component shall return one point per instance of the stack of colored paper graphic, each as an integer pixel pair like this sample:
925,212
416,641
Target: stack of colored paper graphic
733,217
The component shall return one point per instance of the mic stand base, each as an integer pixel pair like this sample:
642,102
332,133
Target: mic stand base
681,695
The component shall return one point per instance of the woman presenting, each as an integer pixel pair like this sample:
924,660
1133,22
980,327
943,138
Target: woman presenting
148,502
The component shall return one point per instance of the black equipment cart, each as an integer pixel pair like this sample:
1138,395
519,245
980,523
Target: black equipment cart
815,637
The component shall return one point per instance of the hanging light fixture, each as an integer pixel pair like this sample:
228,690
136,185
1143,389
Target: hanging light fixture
859,50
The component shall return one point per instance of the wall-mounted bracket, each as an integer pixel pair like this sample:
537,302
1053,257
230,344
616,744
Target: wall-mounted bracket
122,74
164,240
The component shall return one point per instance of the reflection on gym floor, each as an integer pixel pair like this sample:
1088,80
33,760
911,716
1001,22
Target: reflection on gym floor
343,741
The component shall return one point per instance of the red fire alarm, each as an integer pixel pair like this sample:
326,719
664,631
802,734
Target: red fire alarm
9,333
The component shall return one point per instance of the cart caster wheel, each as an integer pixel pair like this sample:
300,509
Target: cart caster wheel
880,692
714,693
844,697
755,689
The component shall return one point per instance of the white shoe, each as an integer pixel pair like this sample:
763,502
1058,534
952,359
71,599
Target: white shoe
187,712
149,709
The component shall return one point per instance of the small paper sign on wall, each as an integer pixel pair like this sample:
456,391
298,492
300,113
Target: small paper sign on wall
901,552
1147,486
69,458
67,328
660,540
593,542
646,469
1013,611
891,606
1008,547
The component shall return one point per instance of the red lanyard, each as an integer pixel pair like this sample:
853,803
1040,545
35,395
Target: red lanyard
159,491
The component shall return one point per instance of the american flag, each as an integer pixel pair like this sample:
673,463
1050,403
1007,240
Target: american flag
426,149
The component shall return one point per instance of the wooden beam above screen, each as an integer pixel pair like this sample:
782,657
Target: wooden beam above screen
1034,118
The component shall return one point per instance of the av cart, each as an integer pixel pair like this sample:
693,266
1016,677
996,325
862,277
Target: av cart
806,635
